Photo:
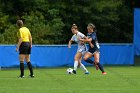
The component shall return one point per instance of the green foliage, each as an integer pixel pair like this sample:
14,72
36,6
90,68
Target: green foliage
50,20
3,23
44,32
10,35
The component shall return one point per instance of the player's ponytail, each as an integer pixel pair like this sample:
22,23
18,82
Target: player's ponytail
74,26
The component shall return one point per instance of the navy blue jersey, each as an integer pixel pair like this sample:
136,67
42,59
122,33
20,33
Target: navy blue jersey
94,40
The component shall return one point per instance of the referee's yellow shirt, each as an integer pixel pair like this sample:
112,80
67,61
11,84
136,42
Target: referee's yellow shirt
24,33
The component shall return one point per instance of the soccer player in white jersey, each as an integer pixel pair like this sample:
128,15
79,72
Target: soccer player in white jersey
81,49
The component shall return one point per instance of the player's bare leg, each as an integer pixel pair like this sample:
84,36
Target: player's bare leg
82,66
96,60
76,59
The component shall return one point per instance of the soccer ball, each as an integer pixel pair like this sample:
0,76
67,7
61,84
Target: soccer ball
69,71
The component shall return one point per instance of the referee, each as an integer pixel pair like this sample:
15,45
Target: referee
24,47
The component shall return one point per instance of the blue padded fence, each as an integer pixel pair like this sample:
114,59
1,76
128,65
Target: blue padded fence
60,55
137,31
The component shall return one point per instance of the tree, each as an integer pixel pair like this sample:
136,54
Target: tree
50,20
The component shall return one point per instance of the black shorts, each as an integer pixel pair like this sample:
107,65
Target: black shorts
25,48
93,50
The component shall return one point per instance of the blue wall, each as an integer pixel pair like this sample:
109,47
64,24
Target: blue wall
137,31
54,56
58,55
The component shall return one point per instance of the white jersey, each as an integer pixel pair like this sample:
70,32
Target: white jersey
81,46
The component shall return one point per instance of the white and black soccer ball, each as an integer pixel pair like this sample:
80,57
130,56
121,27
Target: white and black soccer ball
69,71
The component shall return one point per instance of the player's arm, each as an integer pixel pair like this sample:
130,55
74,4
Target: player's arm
69,44
86,39
91,45
82,38
70,41
90,42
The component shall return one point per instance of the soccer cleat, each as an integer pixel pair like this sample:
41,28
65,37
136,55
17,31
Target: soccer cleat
104,73
96,65
74,72
21,77
86,72
31,76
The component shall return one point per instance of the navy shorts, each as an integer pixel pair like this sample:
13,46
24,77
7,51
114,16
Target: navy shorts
93,50
25,48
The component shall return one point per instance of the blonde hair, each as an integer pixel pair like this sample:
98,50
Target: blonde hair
90,25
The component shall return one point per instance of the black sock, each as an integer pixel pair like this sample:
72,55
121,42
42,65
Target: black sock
100,67
30,67
21,68
89,61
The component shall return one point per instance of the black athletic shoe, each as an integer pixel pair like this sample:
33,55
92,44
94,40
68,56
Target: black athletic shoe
21,77
31,76
74,72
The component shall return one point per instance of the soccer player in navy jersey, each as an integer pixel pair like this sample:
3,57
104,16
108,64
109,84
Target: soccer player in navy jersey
93,50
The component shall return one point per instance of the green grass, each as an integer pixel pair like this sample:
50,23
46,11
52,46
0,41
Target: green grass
119,79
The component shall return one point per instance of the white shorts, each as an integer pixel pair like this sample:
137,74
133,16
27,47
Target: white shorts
82,49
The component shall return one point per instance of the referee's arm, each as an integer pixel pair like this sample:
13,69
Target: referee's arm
30,38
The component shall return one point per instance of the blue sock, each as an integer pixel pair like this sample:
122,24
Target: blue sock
89,61
100,67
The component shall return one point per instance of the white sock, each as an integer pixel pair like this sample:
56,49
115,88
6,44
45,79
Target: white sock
83,68
75,65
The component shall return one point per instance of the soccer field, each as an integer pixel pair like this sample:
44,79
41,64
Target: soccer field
119,79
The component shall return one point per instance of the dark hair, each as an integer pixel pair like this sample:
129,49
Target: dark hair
92,26
74,26
20,23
